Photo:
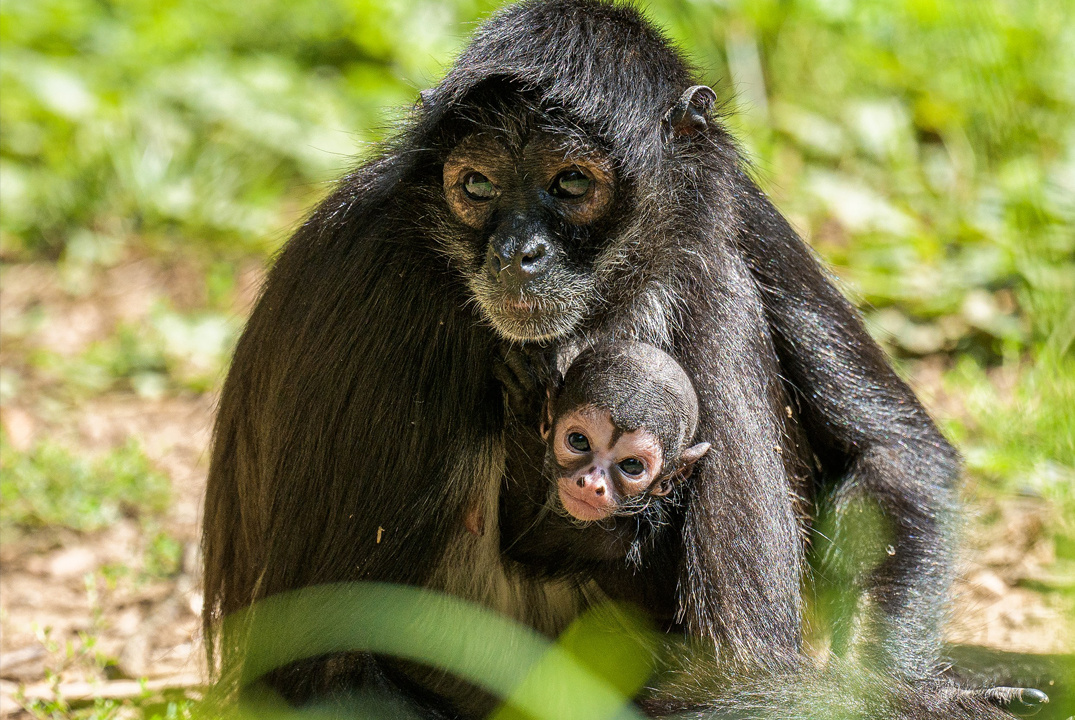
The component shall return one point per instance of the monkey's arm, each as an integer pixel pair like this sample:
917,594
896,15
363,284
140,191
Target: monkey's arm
741,572
870,434
360,376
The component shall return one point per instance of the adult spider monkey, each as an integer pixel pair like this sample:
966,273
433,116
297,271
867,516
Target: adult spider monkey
566,181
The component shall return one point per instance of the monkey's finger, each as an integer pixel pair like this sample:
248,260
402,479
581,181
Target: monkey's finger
524,371
1018,701
508,380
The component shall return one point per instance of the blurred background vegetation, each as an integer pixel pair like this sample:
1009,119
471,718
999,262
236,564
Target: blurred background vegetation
926,150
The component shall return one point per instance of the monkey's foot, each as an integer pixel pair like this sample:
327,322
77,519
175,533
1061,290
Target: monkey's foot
1018,701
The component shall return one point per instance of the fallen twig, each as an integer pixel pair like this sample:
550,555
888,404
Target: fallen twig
107,689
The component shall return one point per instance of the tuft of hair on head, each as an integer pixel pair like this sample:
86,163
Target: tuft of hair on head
641,386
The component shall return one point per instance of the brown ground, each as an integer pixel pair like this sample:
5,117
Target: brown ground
69,599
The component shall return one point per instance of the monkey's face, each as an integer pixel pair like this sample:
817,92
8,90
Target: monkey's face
529,209
599,468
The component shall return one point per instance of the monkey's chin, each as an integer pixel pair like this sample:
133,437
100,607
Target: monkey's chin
580,509
521,323
546,312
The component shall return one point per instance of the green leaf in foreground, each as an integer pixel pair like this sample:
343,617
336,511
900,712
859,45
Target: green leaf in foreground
537,678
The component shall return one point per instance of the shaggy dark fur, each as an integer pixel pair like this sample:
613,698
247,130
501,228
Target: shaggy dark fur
361,419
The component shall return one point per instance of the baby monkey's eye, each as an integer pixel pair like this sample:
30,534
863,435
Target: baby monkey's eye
632,466
570,184
478,187
578,441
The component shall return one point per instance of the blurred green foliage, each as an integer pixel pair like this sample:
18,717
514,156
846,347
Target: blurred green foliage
590,672
51,486
189,121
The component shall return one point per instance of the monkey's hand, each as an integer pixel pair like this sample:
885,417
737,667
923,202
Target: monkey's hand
525,374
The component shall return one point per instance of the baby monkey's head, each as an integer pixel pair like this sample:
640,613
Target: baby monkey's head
620,430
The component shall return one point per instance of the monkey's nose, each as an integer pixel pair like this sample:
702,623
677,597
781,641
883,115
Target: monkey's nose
517,264
531,259
594,480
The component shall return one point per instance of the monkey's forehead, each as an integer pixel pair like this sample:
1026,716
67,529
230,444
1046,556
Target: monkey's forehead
589,414
640,384
597,416
603,63
641,440
516,141
639,360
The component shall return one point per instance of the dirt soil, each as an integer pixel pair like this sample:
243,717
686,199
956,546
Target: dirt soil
78,614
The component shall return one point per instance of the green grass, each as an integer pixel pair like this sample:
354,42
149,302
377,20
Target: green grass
153,706
167,352
51,486
1018,435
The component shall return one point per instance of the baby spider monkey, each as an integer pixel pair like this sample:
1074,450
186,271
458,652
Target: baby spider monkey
619,431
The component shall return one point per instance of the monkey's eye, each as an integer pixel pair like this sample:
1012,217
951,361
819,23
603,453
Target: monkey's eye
570,184
632,466
478,187
578,441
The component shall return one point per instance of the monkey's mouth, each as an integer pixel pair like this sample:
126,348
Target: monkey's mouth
528,317
579,508
520,306
545,309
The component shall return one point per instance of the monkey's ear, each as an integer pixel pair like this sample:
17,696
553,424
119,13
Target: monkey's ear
689,113
424,96
664,485
687,459
546,416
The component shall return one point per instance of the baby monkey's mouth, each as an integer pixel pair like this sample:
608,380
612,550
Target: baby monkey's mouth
578,506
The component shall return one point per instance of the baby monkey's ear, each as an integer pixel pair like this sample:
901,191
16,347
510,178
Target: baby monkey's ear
556,384
665,484
682,471
546,416
687,459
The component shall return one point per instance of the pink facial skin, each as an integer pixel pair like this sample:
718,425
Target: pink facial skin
599,467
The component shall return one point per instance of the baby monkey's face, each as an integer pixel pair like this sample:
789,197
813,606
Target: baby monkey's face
598,466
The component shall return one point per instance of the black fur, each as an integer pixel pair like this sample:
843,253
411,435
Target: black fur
361,419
